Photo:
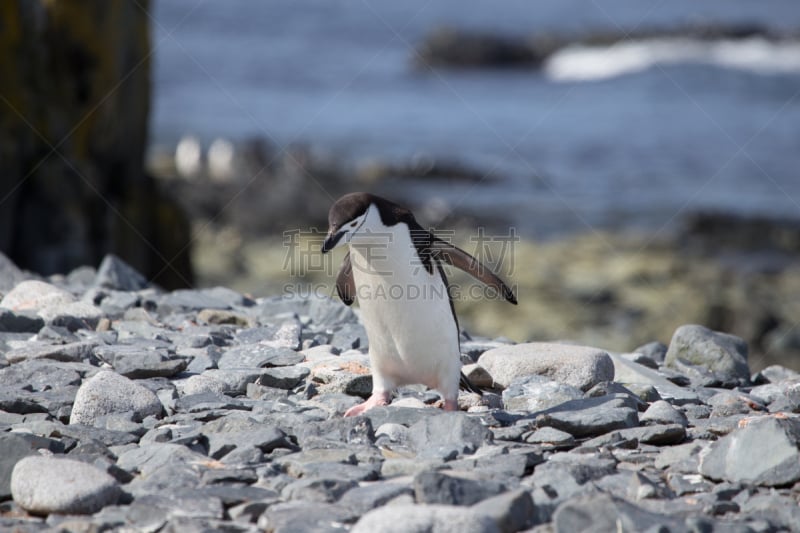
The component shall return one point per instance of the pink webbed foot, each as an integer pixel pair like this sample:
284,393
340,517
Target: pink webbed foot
447,405
375,400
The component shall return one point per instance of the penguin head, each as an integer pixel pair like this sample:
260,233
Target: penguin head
365,216
347,216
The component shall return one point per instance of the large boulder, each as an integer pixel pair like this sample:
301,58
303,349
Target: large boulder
723,355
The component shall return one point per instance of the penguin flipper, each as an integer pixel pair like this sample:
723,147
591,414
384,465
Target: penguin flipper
452,255
345,284
465,384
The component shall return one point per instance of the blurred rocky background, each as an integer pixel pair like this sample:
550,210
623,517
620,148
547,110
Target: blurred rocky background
629,167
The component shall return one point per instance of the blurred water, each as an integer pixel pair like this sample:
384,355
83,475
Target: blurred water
633,135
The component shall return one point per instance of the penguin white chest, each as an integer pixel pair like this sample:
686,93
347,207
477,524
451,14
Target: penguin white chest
413,335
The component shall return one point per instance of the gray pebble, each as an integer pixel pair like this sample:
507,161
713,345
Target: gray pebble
591,416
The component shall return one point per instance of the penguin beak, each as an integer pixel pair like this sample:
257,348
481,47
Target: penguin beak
331,241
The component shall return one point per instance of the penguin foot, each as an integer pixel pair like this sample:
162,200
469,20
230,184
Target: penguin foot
375,400
447,405
450,405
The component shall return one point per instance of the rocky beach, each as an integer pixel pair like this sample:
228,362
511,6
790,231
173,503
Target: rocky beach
126,407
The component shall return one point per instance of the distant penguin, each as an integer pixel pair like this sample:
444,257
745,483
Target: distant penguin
189,157
394,268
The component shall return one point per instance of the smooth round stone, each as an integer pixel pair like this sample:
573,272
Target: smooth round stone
579,366
35,295
394,432
552,436
443,518
107,393
662,412
45,485
200,383
409,402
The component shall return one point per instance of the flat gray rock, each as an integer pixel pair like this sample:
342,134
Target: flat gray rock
258,356
762,452
108,393
591,416
449,431
370,495
720,353
537,393
608,513
228,433
44,485
632,375
348,373
658,435
148,459
236,380
141,361
447,489
317,489
682,484
578,366
186,300
403,416
43,374
550,436
295,516
209,401
323,312
283,377
73,351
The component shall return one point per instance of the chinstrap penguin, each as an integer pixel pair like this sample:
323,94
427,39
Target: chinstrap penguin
394,268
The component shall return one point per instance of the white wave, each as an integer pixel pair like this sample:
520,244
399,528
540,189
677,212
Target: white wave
755,54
